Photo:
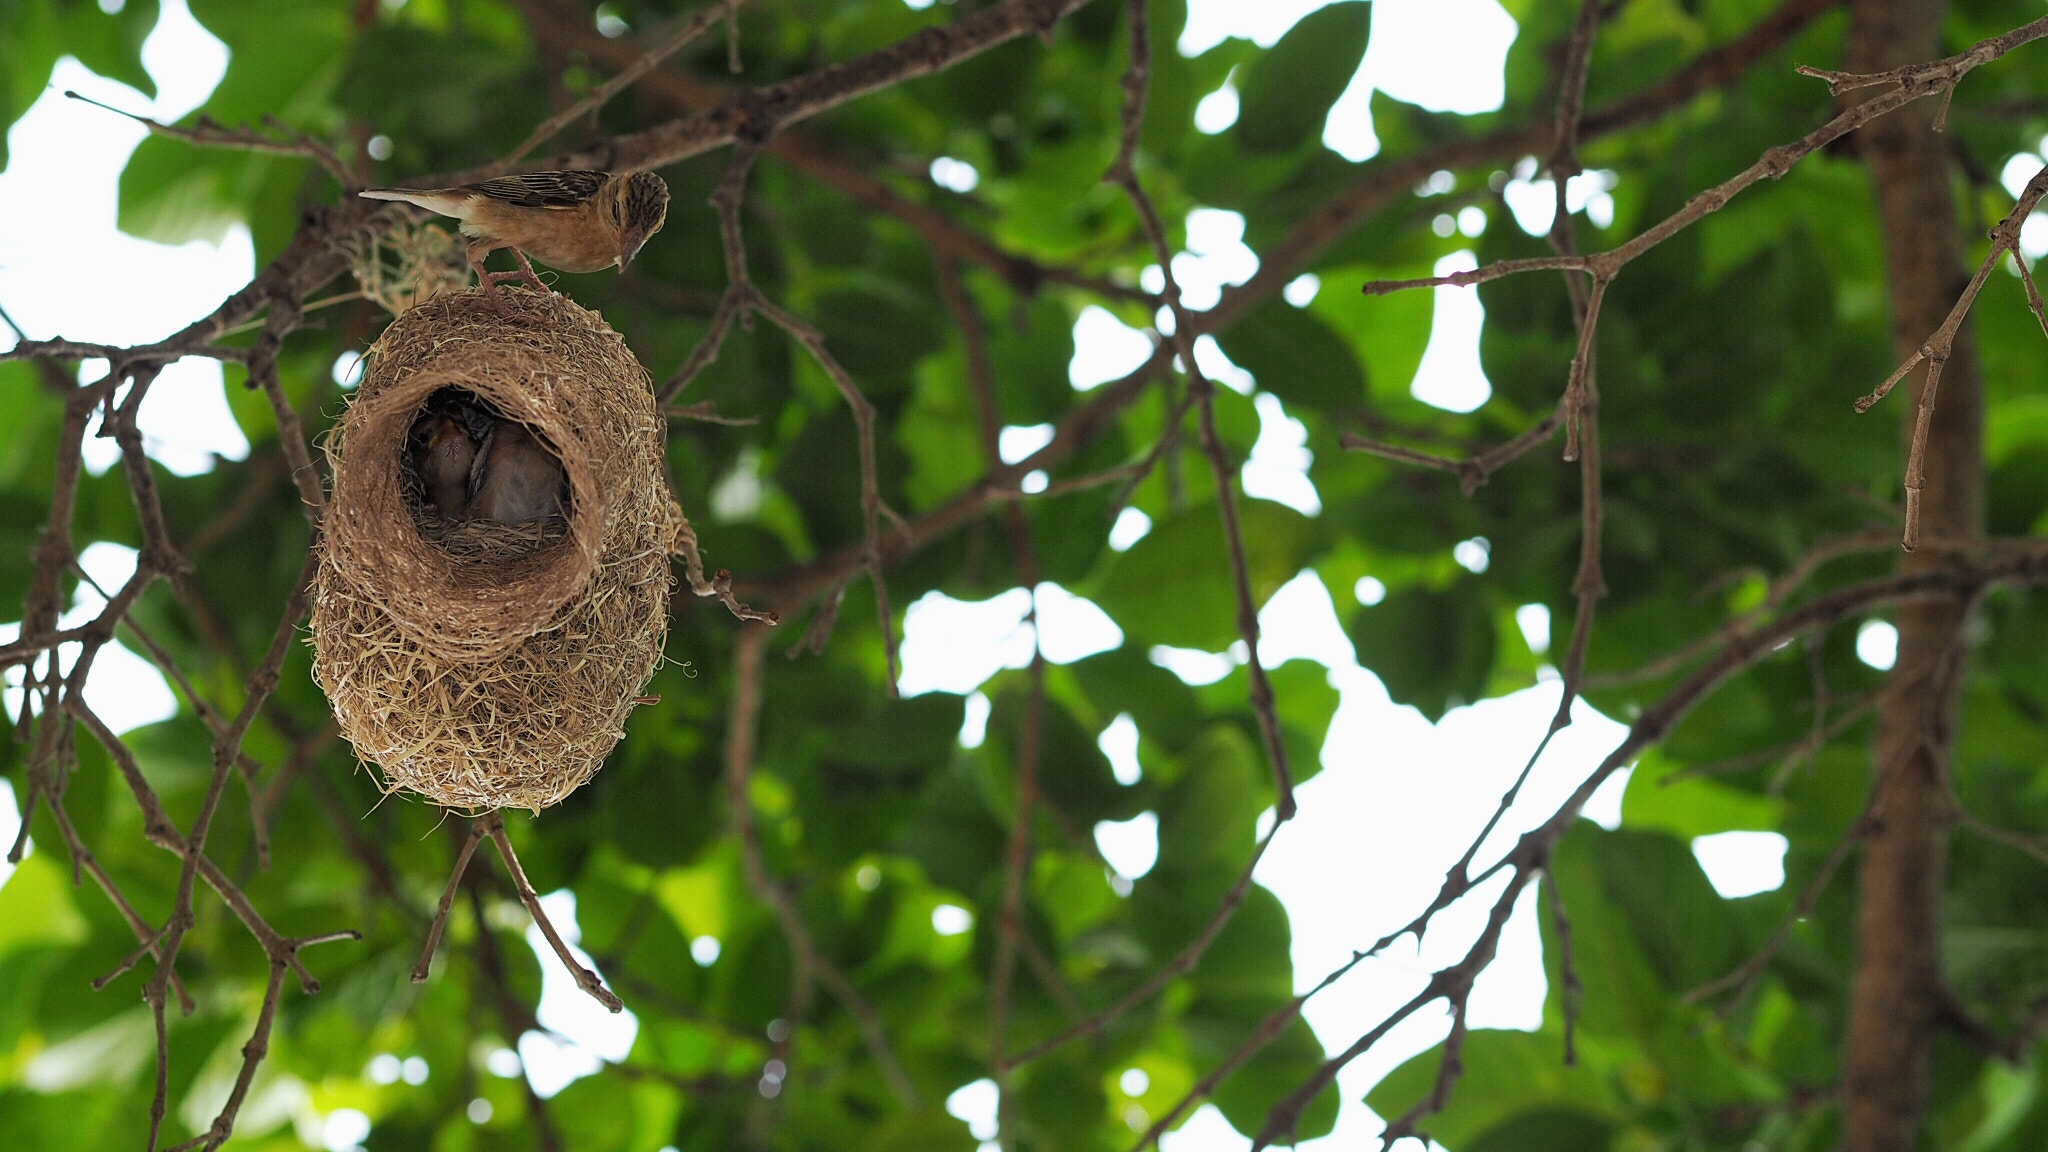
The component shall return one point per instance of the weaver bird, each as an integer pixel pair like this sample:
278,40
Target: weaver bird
442,457
514,479
575,221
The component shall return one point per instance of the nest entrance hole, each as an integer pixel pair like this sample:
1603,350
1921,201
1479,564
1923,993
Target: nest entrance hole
446,468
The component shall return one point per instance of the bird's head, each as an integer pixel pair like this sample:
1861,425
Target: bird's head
639,212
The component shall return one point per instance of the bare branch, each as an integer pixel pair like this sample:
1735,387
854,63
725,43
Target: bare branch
209,133
1571,994
517,1017
1123,173
1269,1030
1911,84
703,412
1013,935
745,298
147,936
493,823
1531,853
1935,352
1780,590
478,829
1384,181
758,112
599,96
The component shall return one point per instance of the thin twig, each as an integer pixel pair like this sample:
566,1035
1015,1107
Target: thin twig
1013,934
1123,173
1737,630
516,1016
477,831
1182,963
742,716
706,351
1916,82
209,133
1531,853
1935,351
494,826
870,483
1382,183
144,934
1269,1030
599,96
1789,756
1867,821
1571,993
704,412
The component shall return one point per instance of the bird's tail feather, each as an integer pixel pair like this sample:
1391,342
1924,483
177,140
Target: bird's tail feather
433,200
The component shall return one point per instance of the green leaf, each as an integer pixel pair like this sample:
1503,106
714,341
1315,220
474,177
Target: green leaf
1247,1097
1288,92
1661,798
1166,710
1506,1074
896,735
1206,825
1546,1130
941,434
1295,356
1063,1102
1174,586
1303,699
878,330
1029,360
932,1130
36,908
1247,967
1682,924
1432,649
1387,334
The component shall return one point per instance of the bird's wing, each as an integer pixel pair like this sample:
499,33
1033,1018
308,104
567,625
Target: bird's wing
544,189
480,462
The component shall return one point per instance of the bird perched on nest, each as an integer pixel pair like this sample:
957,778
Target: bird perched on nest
579,221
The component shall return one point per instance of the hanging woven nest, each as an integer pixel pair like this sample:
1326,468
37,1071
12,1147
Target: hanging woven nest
477,663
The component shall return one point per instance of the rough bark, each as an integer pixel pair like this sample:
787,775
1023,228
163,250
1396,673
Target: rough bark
1894,1008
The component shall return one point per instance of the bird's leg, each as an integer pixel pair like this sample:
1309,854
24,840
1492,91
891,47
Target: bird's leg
477,252
527,274
493,298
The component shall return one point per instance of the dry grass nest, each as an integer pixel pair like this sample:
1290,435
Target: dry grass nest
485,665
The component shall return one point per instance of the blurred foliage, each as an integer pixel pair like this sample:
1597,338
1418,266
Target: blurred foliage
1728,359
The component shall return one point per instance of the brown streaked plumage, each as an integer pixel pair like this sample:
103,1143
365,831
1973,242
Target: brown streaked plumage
579,221
442,457
443,442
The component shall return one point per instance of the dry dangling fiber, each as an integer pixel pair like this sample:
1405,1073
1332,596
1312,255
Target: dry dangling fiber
486,665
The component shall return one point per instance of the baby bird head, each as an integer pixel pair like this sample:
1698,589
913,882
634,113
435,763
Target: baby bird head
639,208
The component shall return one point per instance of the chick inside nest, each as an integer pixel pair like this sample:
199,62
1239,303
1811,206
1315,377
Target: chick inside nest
477,482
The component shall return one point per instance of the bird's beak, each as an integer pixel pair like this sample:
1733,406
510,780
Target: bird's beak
629,247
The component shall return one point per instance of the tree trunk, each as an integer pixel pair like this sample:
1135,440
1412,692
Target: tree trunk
1894,1008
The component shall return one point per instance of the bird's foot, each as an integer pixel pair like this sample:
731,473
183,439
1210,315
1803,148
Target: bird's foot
495,299
527,275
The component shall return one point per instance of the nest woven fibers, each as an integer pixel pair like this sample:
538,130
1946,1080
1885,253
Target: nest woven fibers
487,665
